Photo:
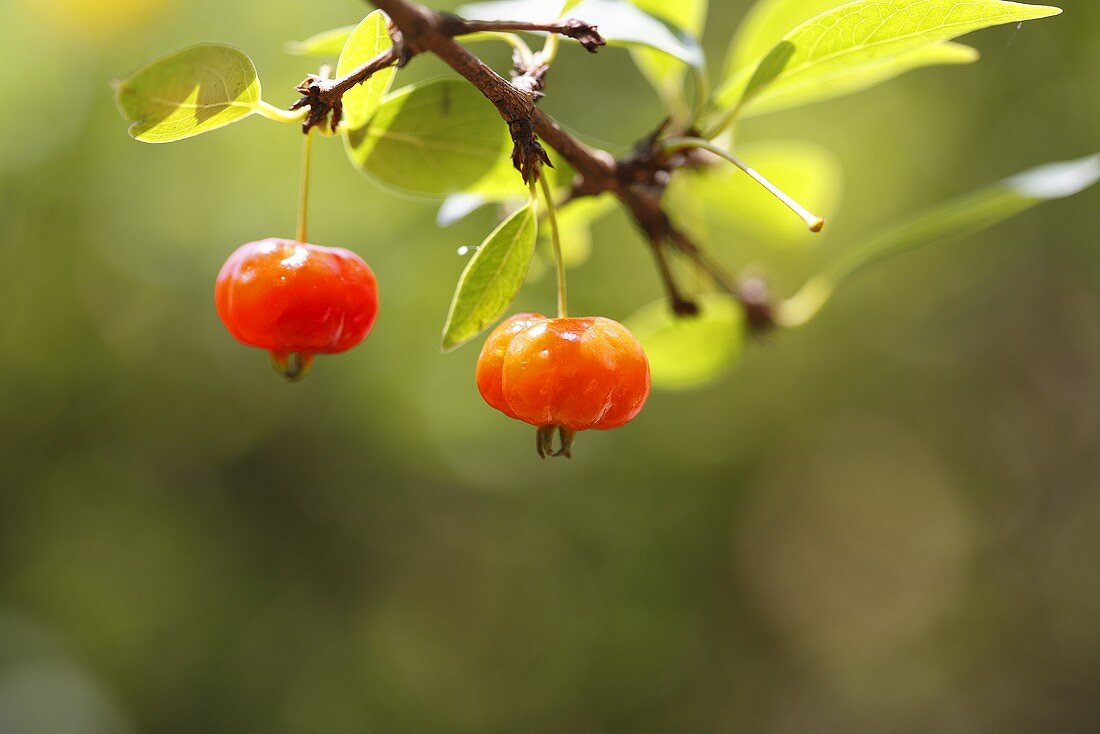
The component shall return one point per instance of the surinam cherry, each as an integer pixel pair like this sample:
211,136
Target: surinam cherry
296,300
564,375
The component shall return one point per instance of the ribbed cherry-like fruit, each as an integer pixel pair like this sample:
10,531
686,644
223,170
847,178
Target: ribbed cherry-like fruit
565,375
296,300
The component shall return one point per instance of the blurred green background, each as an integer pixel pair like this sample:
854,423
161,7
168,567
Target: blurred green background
884,522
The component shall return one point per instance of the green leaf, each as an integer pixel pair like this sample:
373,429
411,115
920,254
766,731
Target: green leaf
434,138
326,44
726,197
843,81
492,278
620,22
370,38
966,215
866,36
687,353
190,92
666,73
766,24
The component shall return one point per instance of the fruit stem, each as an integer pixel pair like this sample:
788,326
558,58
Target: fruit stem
555,239
303,191
675,145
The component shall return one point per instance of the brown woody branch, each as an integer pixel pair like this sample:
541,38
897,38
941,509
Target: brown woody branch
324,96
585,34
638,181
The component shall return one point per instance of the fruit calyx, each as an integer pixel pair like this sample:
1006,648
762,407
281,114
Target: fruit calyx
293,366
544,441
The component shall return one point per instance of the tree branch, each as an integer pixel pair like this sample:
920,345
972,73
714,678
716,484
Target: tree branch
638,182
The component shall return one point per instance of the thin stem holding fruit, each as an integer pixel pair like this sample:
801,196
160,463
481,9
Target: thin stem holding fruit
303,190
555,239
674,145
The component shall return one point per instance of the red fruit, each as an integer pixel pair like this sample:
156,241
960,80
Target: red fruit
296,300
567,375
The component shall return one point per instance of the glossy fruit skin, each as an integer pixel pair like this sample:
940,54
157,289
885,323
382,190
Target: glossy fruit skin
490,365
291,297
574,373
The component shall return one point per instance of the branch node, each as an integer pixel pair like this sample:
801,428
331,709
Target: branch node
528,155
325,97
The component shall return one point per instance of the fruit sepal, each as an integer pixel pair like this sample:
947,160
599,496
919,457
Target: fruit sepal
293,366
544,441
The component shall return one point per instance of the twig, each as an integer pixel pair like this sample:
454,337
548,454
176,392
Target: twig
324,96
585,34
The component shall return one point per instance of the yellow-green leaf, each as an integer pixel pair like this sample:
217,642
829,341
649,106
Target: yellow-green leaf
687,353
766,24
877,37
492,278
436,138
842,81
190,92
370,38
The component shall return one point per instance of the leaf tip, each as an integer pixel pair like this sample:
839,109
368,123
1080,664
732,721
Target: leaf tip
449,343
1042,11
